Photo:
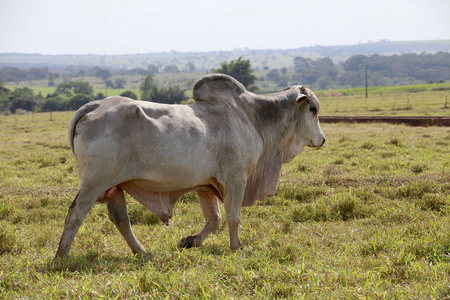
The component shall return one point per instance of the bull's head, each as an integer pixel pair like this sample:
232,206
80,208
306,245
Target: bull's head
307,127
309,121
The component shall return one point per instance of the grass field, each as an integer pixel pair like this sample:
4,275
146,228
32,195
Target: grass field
414,100
366,216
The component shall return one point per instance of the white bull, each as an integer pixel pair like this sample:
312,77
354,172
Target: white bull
229,145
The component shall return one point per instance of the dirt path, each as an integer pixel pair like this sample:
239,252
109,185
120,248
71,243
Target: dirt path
413,121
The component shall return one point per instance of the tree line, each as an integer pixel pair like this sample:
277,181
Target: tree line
67,96
17,75
74,94
321,73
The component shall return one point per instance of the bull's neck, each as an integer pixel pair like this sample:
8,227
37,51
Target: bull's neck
275,114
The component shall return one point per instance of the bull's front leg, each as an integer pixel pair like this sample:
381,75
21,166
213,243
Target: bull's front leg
211,211
233,197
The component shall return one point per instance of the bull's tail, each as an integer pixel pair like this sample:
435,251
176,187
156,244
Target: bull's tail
91,106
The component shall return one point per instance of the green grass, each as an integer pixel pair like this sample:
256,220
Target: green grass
44,91
421,100
380,90
365,216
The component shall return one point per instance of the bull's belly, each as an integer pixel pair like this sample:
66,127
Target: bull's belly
165,183
153,187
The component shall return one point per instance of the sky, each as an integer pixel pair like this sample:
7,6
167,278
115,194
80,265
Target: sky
150,26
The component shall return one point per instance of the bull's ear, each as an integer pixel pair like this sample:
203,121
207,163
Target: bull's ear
302,97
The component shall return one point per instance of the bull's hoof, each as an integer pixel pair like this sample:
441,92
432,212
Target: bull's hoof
187,242
143,256
237,247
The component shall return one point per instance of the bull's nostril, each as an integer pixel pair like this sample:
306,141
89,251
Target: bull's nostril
323,141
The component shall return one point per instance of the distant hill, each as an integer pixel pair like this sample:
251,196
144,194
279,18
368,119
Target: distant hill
205,61
382,47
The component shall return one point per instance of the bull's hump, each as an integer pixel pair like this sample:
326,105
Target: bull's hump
217,87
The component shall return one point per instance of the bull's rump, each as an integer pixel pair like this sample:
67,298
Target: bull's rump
123,139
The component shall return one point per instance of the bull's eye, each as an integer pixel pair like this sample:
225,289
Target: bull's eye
313,110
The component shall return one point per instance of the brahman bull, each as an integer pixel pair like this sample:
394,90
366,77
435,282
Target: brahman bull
229,145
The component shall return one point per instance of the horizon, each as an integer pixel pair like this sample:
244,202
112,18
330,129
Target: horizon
232,50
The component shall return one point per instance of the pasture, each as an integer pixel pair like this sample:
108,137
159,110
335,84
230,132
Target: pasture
365,216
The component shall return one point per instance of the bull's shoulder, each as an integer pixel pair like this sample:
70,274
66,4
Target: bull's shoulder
217,87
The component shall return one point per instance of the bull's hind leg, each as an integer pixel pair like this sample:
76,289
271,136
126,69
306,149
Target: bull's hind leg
77,212
117,211
210,208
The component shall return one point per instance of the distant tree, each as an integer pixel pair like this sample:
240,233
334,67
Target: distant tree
324,82
109,84
101,73
82,73
135,71
3,90
241,71
38,73
72,88
169,95
129,94
150,92
53,104
146,88
152,69
190,67
171,69
120,83
176,94
356,63
22,103
78,101
273,75
282,81
4,97
350,79
51,83
9,74
99,96
324,63
22,98
302,64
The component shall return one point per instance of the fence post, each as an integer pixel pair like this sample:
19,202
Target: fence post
367,94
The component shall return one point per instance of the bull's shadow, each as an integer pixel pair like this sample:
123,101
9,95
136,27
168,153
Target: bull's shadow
93,262
215,250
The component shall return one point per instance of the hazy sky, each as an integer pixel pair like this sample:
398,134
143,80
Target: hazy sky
144,26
